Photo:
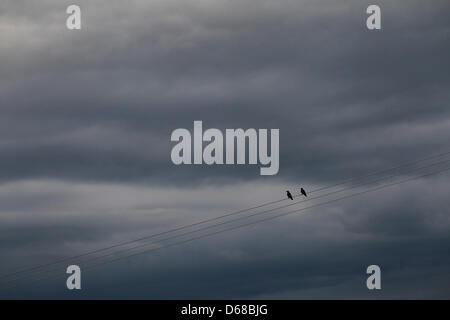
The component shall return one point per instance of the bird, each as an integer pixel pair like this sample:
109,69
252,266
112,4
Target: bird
289,195
303,192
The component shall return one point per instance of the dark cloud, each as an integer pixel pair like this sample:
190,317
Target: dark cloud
86,118
311,70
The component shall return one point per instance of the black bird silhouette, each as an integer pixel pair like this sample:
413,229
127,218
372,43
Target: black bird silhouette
303,192
289,195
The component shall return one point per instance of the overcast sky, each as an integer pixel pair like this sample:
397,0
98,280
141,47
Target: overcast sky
86,118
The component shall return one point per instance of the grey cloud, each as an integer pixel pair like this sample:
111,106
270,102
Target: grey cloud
86,118
319,253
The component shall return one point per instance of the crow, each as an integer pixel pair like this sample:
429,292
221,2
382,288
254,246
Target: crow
303,192
289,195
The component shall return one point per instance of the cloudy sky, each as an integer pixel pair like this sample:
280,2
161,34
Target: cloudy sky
85,124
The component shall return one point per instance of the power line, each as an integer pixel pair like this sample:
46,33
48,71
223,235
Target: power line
254,222
407,164
29,275
229,221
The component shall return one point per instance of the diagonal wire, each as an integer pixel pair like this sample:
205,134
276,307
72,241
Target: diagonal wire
406,164
30,275
254,222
